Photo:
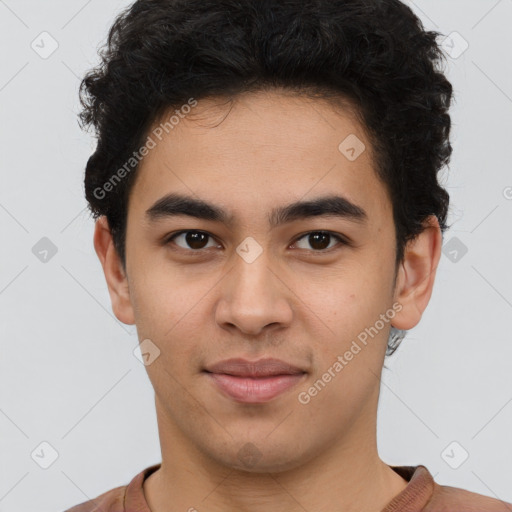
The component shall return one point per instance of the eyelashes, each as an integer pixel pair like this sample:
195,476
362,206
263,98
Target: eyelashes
194,241
325,234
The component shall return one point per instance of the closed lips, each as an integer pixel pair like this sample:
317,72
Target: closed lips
256,369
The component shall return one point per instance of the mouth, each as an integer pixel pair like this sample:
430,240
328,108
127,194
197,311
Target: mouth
254,382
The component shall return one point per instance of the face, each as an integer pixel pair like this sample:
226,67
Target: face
252,277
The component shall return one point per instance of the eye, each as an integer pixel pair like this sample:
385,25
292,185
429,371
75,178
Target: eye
196,240
319,240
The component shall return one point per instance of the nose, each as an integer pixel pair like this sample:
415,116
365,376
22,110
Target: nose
254,297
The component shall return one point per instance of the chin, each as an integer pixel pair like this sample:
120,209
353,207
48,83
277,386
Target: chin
261,456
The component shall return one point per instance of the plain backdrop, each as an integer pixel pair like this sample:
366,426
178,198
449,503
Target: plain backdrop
69,378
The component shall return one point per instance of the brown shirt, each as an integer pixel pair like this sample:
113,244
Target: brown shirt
422,494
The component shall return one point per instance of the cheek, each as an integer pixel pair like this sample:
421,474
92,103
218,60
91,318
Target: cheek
341,302
171,313
343,315
153,305
161,294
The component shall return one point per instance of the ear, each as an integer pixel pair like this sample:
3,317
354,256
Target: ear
416,274
115,276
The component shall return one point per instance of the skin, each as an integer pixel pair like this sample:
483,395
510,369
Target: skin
292,303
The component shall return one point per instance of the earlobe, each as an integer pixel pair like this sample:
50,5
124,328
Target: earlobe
115,276
416,274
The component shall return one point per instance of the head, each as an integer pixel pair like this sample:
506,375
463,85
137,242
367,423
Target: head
306,139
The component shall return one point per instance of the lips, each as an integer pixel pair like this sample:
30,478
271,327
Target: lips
262,368
254,381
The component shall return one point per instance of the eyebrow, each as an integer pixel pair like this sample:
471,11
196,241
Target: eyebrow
333,205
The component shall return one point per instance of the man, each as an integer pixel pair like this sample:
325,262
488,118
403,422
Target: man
269,217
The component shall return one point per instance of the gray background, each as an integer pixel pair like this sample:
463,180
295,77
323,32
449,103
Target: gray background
68,374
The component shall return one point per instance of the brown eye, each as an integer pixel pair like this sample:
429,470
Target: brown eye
320,240
195,240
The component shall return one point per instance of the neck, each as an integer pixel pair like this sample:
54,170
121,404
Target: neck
347,475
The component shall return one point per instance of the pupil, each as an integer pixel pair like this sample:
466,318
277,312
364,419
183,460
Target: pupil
323,238
195,239
317,240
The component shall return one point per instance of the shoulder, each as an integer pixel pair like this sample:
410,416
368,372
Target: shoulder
109,501
129,497
449,499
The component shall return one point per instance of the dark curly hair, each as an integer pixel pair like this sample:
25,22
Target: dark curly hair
373,55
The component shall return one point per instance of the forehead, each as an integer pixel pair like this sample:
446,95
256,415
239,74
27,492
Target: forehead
263,148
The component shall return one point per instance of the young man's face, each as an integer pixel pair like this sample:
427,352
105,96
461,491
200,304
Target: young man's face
256,289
